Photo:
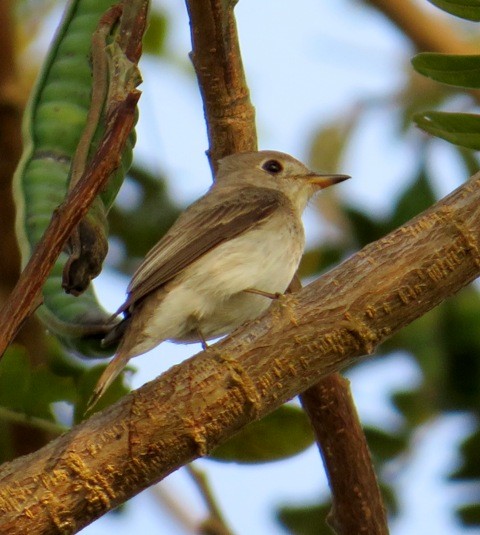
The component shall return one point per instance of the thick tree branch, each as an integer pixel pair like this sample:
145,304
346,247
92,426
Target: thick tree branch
195,406
230,122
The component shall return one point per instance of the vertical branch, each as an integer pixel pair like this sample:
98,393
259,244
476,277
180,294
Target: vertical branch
357,504
230,119
357,501
216,57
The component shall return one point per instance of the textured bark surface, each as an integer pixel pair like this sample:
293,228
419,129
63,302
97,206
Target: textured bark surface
218,65
199,404
357,504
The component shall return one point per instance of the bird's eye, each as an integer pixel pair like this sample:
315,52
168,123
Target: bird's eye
272,166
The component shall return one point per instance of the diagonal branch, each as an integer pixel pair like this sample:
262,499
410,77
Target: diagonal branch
428,31
425,28
120,119
195,406
25,296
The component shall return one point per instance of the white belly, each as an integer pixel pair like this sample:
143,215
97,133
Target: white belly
209,296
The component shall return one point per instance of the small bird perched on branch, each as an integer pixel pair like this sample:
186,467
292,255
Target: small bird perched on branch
222,261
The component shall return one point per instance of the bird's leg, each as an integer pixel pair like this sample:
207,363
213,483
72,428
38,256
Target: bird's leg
269,295
205,346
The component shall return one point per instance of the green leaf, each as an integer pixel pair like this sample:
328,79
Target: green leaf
155,36
470,466
460,331
470,160
465,9
140,226
308,520
45,389
470,514
15,378
365,228
384,445
28,391
415,406
330,141
458,128
451,69
320,259
284,433
415,199
420,94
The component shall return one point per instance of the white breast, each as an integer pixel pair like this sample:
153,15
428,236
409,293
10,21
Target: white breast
209,296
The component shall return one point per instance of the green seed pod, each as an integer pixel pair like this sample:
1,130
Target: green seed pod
54,123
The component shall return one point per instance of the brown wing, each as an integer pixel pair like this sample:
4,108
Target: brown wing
203,226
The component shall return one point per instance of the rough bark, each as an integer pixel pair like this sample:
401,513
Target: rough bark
219,69
197,405
357,504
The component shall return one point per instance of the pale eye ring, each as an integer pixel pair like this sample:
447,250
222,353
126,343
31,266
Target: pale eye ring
273,167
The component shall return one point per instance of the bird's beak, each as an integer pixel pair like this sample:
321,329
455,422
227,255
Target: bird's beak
324,181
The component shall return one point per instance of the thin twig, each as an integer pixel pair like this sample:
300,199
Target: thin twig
120,118
53,428
174,504
216,517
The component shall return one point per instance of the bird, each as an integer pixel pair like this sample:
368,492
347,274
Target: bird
223,260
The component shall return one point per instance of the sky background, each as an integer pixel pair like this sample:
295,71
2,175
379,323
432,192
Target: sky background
306,62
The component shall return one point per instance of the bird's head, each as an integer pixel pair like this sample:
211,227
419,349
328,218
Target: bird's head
277,170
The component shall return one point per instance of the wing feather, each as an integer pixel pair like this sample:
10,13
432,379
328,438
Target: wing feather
202,227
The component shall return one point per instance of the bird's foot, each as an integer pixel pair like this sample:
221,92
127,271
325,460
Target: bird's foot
269,295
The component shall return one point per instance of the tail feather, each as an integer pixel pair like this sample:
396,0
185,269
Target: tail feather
111,372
